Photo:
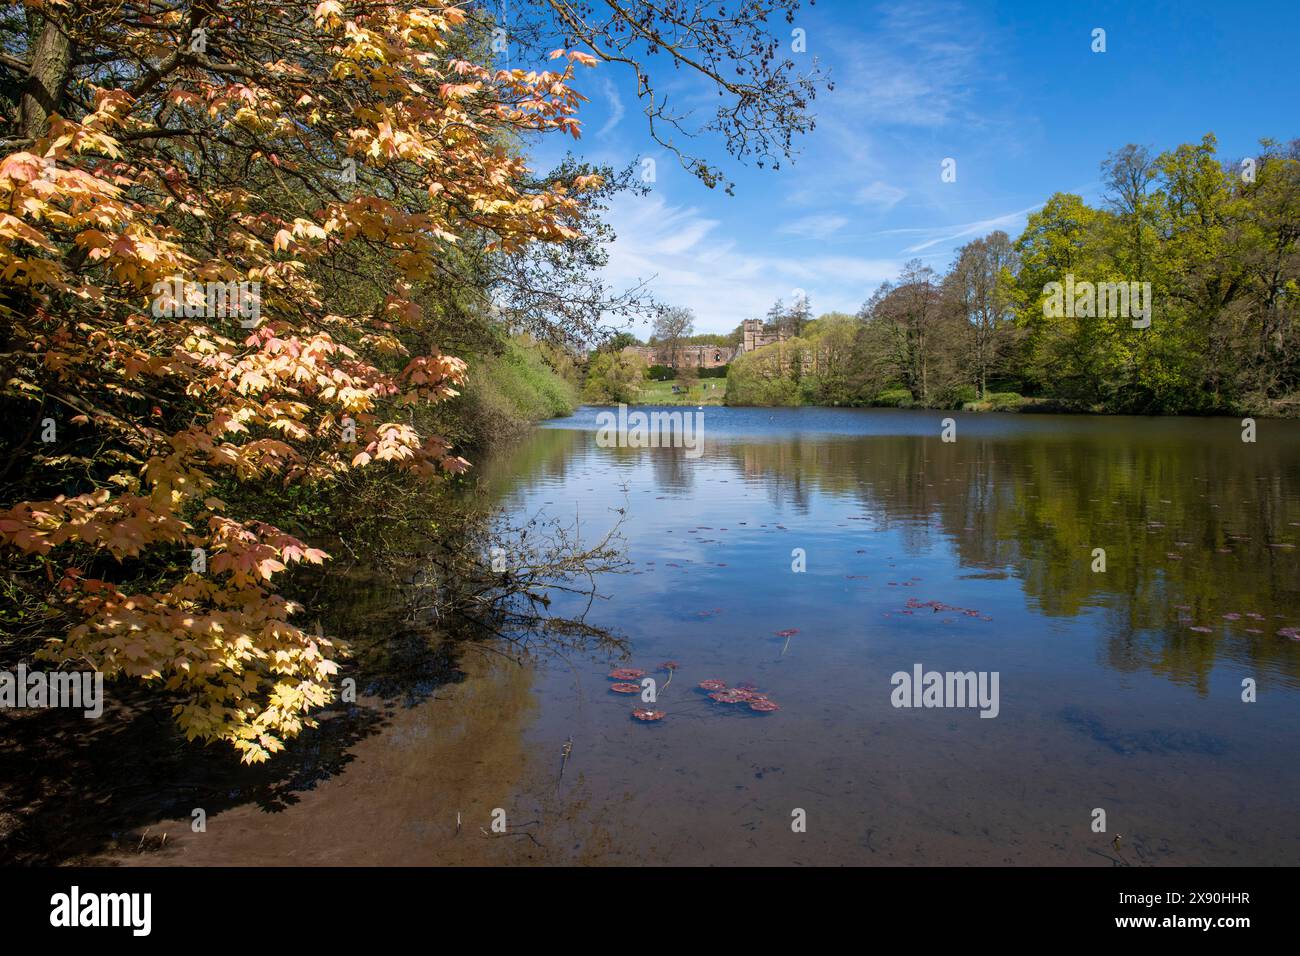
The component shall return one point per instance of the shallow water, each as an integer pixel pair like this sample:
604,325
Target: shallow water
1108,698
1118,690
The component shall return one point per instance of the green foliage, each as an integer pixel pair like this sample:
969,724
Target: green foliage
759,378
996,402
506,390
1218,249
1005,401
1223,333
620,340
964,395
614,378
729,339
895,398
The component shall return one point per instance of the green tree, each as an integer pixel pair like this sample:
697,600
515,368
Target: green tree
614,378
978,288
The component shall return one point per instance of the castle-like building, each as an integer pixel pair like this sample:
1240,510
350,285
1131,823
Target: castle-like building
685,356
754,335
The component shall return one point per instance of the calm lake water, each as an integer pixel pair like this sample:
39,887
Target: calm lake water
1119,690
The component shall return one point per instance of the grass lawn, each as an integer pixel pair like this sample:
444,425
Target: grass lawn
705,391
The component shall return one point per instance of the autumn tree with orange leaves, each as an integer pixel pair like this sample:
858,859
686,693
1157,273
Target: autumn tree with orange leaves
103,212
272,150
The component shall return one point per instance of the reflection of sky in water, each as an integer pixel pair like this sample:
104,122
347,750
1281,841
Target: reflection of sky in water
1106,688
1193,528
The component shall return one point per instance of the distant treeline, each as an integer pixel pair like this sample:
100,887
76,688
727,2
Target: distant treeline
1179,295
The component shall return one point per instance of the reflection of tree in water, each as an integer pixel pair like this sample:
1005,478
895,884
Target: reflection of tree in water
673,471
482,574
788,460
550,455
1186,520
544,456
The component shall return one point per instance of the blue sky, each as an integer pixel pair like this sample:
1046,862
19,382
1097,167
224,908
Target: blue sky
1011,91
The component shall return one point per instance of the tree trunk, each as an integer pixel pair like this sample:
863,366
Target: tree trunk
43,91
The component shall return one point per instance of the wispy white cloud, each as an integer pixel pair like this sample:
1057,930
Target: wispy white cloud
615,104
687,261
905,94
879,194
951,233
912,84
821,226
911,67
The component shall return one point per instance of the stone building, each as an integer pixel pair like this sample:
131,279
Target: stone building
755,335
685,356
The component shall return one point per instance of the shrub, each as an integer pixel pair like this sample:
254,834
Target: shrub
962,394
508,390
895,398
1005,401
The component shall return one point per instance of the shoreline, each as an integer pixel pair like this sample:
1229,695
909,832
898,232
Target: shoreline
1029,408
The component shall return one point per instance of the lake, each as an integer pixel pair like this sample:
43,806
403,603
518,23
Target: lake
1119,690
809,555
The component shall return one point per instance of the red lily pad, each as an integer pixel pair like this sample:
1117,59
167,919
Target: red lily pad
713,684
625,688
729,697
788,632
764,706
626,673
669,666
647,715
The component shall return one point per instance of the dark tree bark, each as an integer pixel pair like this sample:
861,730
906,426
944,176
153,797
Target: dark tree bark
47,80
